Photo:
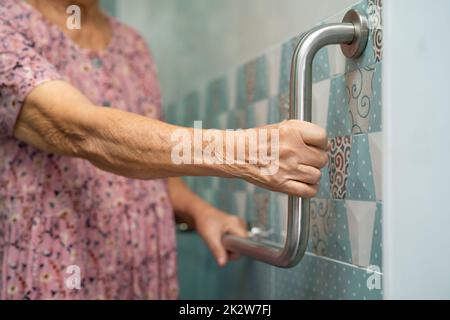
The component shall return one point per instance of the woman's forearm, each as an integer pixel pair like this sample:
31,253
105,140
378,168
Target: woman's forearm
120,142
138,147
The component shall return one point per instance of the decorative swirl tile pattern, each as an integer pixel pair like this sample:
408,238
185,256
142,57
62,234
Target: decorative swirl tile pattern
359,95
338,165
375,19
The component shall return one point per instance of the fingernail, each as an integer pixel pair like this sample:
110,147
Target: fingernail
222,261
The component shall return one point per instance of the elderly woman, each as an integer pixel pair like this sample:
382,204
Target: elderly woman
87,183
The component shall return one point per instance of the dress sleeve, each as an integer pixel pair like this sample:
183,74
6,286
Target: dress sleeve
22,68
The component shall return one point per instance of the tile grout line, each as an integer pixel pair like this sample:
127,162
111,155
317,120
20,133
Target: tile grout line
347,199
341,262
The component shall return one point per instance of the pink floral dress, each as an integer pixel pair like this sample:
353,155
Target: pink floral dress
60,215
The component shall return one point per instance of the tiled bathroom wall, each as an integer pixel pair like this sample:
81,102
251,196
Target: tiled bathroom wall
344,258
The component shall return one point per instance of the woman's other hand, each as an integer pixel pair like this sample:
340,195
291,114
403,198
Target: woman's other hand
212,224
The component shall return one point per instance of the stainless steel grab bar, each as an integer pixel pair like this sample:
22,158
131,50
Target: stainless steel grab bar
352,34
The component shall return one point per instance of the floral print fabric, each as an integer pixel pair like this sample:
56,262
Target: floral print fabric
57,212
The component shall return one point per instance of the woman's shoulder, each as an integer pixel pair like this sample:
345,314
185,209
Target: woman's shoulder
15,14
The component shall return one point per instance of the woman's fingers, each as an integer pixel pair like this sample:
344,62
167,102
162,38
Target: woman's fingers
301,151
308,174
226,224
218,250
315,157
314,135
300,189
236,226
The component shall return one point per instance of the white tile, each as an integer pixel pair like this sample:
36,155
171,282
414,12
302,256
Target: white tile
337,60
261,110
241,202
359,83
274,63
283,205
321,95
232,83
361,219
223,120
202,108
376,149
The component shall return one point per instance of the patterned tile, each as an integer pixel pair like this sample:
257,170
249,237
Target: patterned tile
217,95
338,166
359,90
374,11
252,82
329,235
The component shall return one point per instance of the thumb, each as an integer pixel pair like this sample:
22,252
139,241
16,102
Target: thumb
237,228
218,250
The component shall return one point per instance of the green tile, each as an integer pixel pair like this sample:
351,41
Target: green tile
317,278
377,240
338,120
360,185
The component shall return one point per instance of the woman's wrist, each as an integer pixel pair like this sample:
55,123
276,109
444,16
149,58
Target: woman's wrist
227,158
196,209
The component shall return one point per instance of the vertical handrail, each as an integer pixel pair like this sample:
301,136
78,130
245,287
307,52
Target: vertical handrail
352,34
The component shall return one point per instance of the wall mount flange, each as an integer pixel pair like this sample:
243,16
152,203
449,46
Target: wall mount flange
356,48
